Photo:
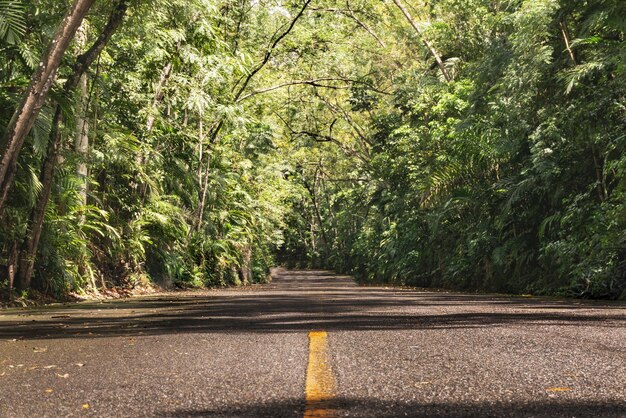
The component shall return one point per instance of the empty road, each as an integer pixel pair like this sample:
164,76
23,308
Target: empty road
312,343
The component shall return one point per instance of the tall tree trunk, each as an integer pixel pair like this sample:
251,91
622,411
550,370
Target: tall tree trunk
316,211
204,191
312,230
31,241
42,79
81,146
203,178
159,93
426,42
166,72
35,222
200,149
81,143
598,167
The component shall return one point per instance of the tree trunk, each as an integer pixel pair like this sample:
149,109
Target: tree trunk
246,266
426,42
11,267
204,190
36,94
81,146
598,167
200,149
318,215
81,143
35,222
363,25
568,43
166,72
31,241
203,178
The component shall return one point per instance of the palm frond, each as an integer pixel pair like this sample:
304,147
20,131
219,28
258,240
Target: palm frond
12,21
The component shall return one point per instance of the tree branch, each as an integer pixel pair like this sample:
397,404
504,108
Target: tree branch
427,43
268,54
312,82
363,25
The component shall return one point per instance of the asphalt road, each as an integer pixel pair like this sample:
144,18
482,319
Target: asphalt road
244,352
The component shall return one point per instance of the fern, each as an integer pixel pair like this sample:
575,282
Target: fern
574,76
12,21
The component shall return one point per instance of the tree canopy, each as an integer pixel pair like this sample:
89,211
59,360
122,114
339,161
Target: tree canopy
475,144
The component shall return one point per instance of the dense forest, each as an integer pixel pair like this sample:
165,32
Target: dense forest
463,144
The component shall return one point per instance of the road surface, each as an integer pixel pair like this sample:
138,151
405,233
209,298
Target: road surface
312,343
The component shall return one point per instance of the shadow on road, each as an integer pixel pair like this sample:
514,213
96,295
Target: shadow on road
299,302
377,408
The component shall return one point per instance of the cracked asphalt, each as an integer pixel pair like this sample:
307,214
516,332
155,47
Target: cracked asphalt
243,352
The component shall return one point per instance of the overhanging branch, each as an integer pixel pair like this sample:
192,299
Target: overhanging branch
269,52
313,82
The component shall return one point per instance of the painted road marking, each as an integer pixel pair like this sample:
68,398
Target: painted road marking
320,382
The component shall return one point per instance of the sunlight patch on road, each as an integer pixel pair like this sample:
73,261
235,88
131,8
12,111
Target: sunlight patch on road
320,382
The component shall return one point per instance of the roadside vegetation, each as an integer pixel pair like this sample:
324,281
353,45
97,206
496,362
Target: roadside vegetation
474,145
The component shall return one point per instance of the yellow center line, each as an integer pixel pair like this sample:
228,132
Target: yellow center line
320,382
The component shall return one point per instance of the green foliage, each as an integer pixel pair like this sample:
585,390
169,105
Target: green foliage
12,21
210,161
505,179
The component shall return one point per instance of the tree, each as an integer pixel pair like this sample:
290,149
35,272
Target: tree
41,81
226,136
31,241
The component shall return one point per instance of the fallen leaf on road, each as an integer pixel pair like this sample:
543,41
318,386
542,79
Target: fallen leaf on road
64,376
49,391
85,406
40,349
79,364
558,389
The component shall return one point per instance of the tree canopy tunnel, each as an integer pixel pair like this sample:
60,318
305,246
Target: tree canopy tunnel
468,145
